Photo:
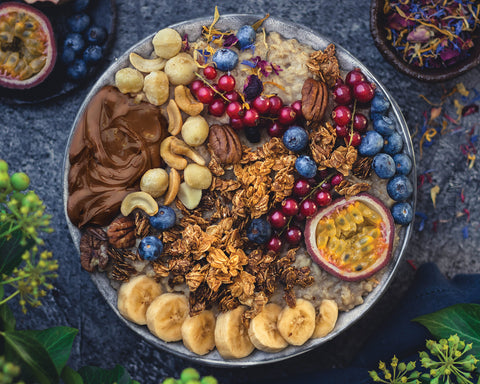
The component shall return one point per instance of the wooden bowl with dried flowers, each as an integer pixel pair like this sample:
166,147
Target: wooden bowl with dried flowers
430,41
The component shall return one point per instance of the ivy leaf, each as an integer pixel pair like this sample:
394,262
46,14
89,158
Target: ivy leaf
96,375
11,250
460,319
69,376
57,341
7,320
32,355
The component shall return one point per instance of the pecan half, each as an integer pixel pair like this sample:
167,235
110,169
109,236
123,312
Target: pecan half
93,249
225,144
121,232
314,99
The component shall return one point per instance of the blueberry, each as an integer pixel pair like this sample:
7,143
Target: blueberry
393,144
74,41
150,248
78,23
68,55
164,219
80,5
399,188
380,103
225,59
383,165
96,35
371,144
403,163
246,36
93,54
306,166
402,213
252,134
259,231
77,70
295,139
384,125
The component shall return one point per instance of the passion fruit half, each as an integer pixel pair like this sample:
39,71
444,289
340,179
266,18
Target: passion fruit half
27,46
351,239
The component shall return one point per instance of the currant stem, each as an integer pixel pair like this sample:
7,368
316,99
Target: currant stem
352,121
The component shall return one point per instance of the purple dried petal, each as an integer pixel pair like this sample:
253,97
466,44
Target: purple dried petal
448,54
185,45
253,87
230,40
420,34
397,22
469,109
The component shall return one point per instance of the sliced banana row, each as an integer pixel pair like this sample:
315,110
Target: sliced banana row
166,315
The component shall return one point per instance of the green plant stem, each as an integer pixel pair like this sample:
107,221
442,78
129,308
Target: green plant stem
12,280
9,297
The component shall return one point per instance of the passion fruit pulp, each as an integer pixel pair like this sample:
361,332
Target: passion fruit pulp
27,46
351,239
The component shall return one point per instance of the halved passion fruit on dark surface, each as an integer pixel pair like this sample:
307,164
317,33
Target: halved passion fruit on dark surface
27,46
351,239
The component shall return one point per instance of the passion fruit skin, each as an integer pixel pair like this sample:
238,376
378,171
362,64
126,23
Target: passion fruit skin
50,52
316,254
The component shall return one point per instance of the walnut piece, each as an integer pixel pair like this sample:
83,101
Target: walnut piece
314,99
225,144
121,232
93,249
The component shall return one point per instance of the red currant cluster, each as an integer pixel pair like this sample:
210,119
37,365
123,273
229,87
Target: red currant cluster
308,196
349,123
221,98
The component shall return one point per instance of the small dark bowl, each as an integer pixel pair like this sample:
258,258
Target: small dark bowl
377,28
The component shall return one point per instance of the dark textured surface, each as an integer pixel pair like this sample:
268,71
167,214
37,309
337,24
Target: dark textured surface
34,137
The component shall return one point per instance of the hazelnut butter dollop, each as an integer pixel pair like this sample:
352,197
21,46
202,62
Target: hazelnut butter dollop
115,142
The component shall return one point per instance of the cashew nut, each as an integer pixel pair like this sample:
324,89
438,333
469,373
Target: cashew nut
141,200
173,186
175,121
172,160
186,102
179,147
326,318
146,65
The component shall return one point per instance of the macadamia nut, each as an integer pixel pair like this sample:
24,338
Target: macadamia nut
156,88
167,43
197,176
154,182
129,80
180,69
190,197
195,131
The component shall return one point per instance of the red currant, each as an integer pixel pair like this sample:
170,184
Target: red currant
226,83
232,96
308,208
339,81
290,206
275,244
195,86
236,124
342,115
261,104
297,107
286,115
276,104
251,118
323,198
293,235
205,95
235,110
216,107
326,186
337,179
360,122
363,92
342,94
210,72
341,130
355,139
323,173
277,219
275,129
354,76
301,187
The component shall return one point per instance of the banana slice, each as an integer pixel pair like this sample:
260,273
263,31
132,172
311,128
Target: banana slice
198,332
135,296
296,325
326,318
166,315
231,336
263,330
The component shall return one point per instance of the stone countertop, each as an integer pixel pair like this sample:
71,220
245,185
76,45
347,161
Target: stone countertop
34,139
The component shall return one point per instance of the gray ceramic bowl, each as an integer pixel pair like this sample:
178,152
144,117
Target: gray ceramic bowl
346,319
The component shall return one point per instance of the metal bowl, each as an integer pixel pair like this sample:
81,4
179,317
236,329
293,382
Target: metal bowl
345,319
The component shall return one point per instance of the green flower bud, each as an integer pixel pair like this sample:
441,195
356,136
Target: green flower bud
169,380
3,166
20,181
11,369
189,374
4,181
209,380
402,367
374,375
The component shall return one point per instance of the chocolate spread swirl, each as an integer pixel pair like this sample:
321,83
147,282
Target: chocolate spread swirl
115,142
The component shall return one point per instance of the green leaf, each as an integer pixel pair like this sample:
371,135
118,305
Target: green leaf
96,375
7,320
69,376
32,356
57,341
460,319
11,251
